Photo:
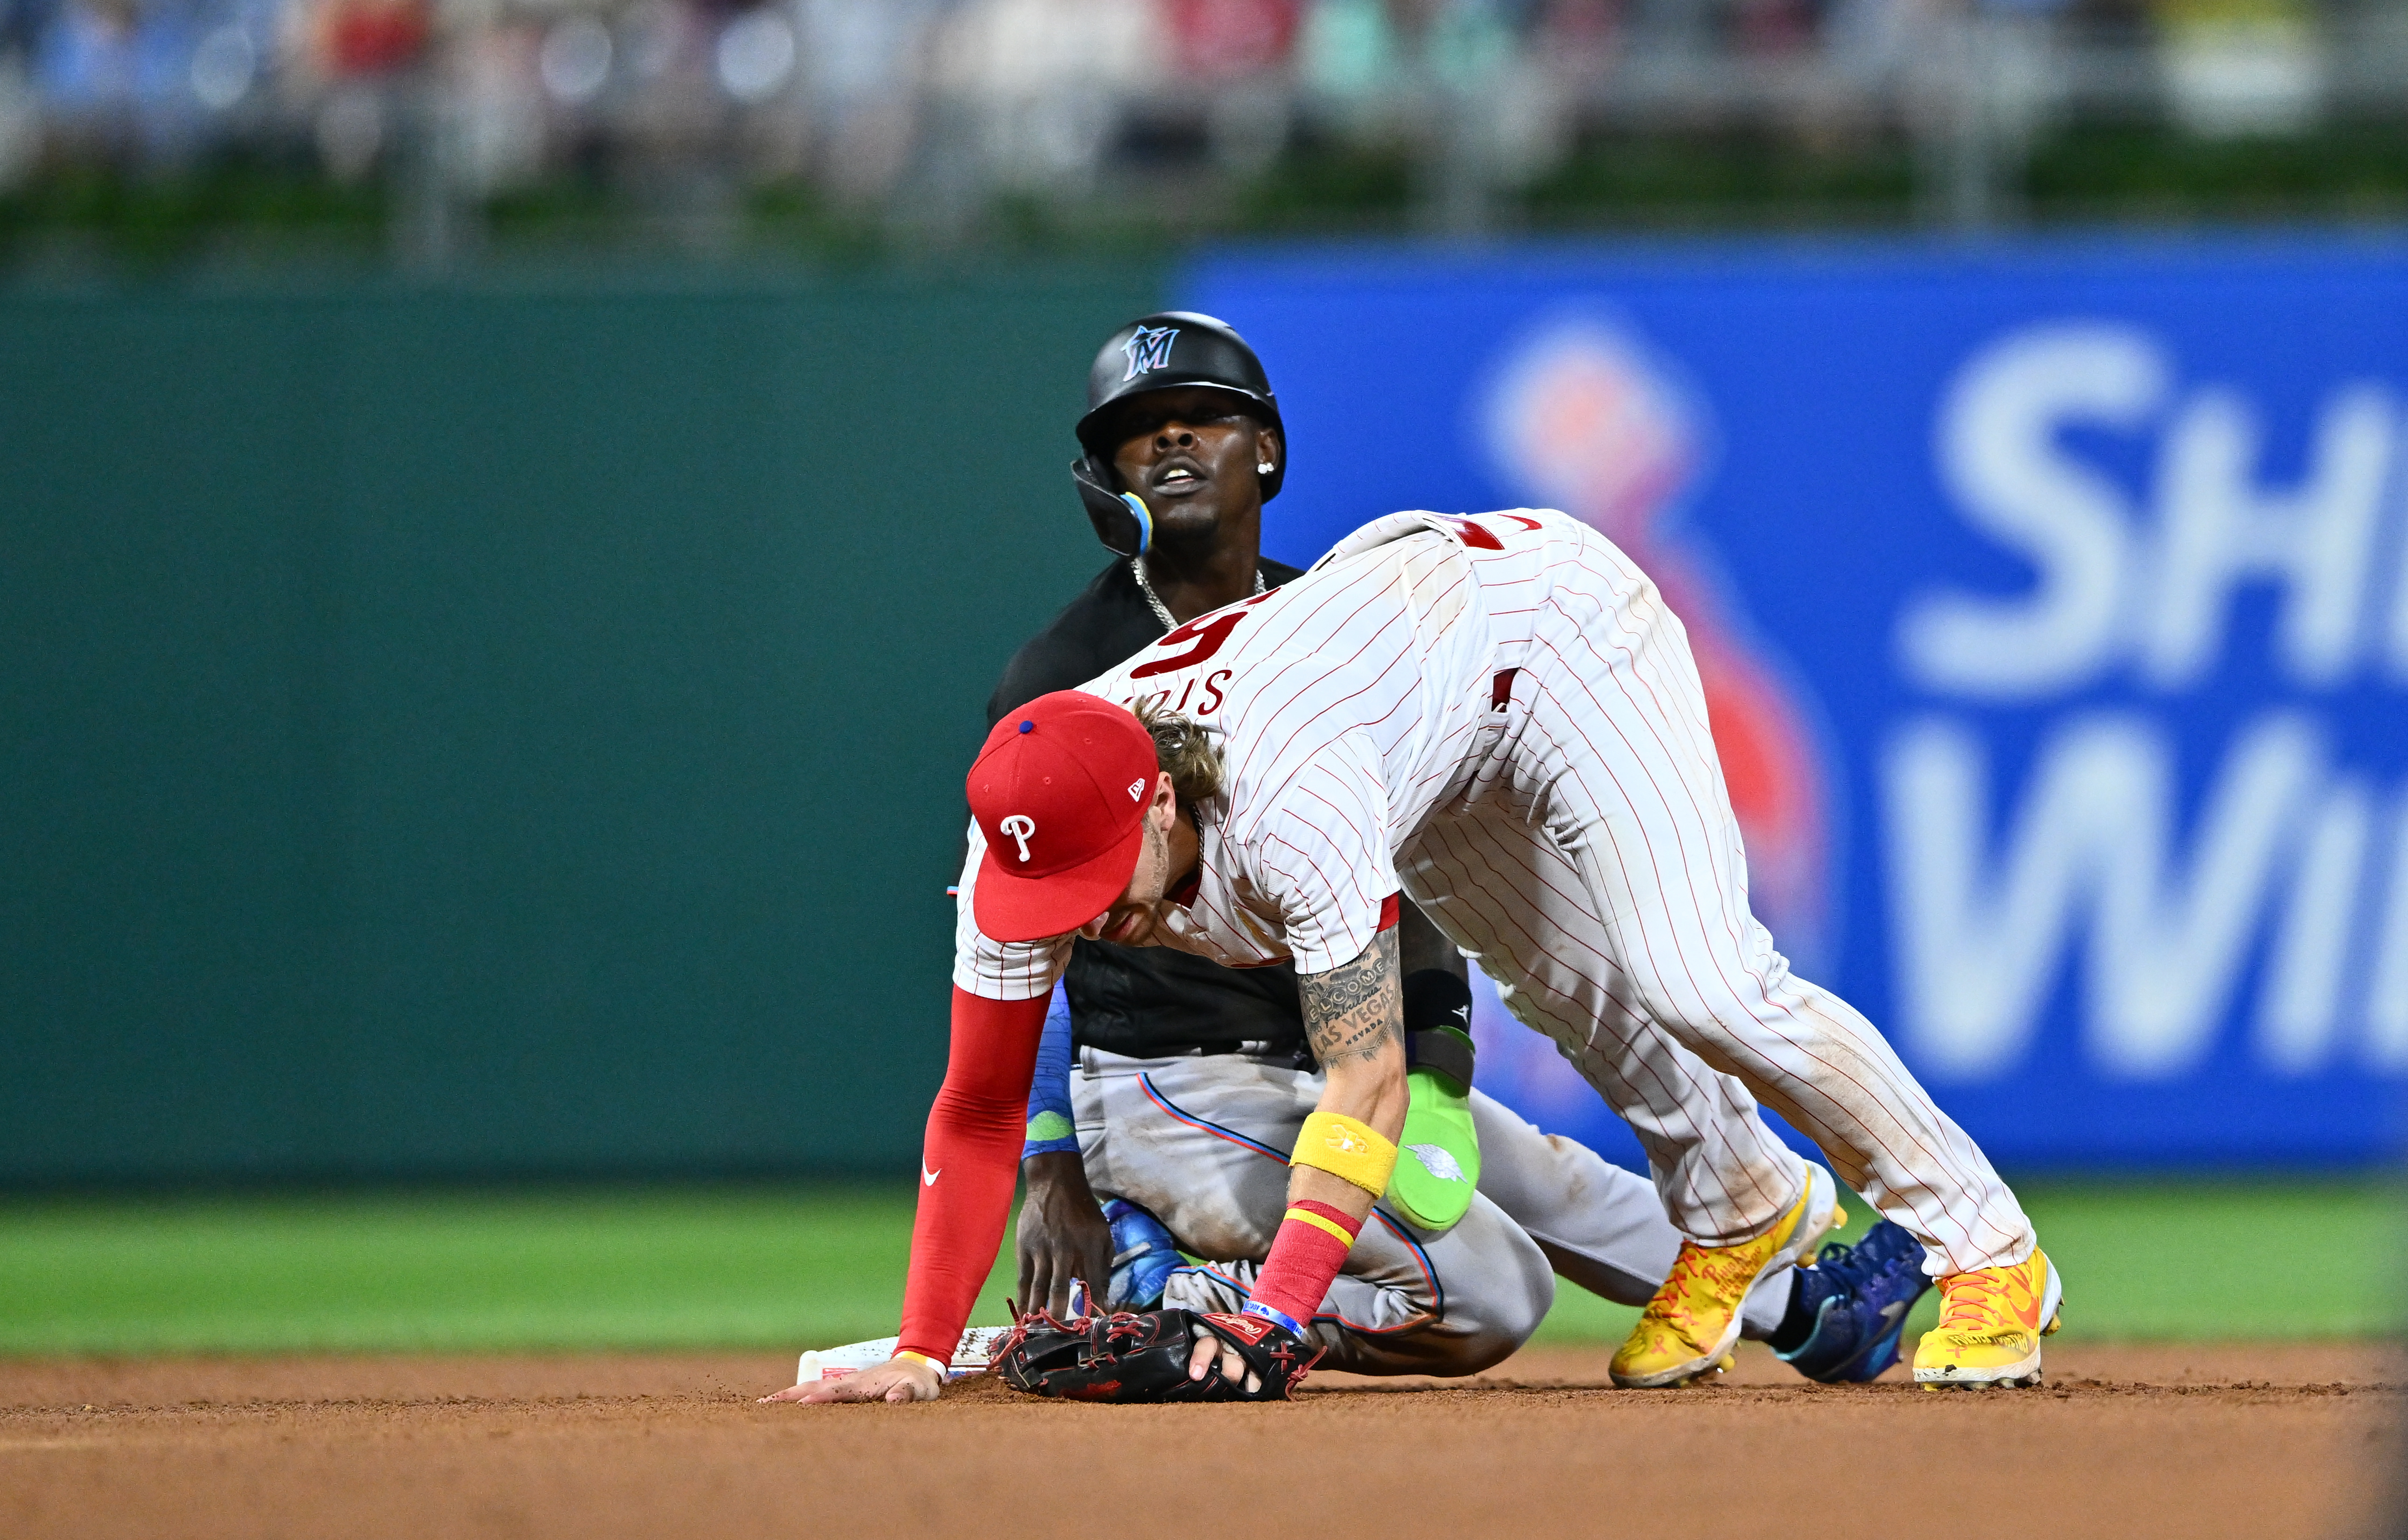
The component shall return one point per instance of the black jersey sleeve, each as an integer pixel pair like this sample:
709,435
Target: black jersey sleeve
1109,621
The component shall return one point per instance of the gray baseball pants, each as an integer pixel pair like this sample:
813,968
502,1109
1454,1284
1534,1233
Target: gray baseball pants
1202,1143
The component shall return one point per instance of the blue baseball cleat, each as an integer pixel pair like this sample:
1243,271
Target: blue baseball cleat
1143,1254
1856,1298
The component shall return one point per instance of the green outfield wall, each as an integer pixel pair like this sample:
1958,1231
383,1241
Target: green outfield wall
508,730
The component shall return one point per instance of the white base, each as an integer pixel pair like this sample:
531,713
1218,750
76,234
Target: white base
971,1357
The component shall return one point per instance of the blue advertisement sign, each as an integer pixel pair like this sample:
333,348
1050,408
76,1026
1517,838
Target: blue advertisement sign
2052,607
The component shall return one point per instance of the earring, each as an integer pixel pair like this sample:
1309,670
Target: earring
1264,469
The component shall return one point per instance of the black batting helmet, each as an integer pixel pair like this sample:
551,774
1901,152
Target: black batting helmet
1160,352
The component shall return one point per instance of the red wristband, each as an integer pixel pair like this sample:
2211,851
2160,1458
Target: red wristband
1305,1257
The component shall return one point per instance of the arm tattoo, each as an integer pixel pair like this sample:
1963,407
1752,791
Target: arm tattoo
1355,1007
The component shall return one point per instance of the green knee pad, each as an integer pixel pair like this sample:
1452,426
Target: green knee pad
1438,1154
1438,1159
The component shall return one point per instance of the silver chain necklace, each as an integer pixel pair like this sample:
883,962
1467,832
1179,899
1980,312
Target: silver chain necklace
1162,610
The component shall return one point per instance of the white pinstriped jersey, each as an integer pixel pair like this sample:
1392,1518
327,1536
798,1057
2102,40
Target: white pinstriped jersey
1347,705
1498,714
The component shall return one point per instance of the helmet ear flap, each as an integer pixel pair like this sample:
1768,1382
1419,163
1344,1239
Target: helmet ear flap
1121,521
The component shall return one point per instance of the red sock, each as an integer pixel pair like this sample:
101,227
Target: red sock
1306,1256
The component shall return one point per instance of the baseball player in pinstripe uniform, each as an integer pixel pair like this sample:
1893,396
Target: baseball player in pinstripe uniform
1497,716
1175,1087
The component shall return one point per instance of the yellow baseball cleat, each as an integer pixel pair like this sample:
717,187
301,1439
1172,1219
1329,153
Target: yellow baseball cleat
1687,1330
1990,1325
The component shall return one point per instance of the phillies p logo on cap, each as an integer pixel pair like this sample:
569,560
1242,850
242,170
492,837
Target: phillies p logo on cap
1020,826
1059,792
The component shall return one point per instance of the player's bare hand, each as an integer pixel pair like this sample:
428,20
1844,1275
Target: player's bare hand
1200,1363
1062,1234
897,1380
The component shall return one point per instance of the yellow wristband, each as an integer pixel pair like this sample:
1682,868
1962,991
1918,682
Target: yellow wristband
1347,1148
942,1367
1305,1216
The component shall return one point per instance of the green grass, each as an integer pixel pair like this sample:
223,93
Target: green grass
634,1268
2178,1262
794,1266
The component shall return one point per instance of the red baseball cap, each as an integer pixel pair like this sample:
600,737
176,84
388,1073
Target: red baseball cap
1060,791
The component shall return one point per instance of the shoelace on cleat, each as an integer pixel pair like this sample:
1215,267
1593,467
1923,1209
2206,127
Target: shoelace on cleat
1974,1301
1850,1266
1846,1265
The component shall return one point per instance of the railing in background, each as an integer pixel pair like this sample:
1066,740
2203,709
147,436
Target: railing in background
684,124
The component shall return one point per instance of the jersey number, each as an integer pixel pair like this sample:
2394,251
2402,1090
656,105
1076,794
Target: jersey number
1478,535
1206,631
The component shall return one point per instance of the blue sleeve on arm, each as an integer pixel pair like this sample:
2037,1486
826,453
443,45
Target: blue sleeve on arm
1050,1127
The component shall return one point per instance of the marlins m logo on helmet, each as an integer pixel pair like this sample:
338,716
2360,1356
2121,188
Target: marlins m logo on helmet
1148,349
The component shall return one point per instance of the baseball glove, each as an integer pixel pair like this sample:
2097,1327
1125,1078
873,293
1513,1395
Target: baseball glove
1143,1358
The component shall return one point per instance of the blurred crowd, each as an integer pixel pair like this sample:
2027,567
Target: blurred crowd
861,98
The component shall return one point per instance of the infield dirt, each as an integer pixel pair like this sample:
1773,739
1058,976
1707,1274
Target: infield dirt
2196,1442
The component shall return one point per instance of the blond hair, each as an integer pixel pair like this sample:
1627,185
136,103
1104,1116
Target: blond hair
1184,752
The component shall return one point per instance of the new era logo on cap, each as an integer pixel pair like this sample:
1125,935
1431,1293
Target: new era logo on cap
1137,789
